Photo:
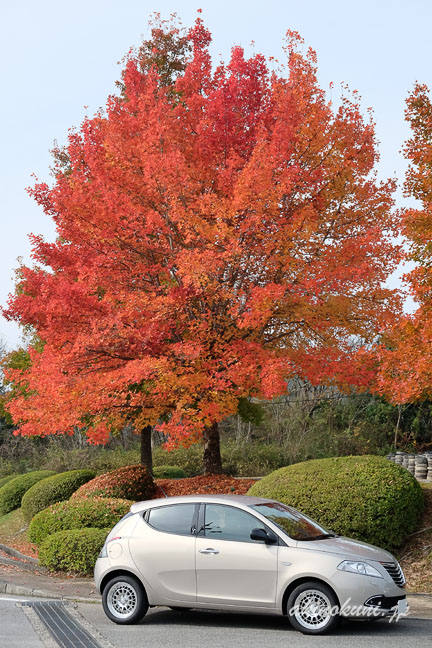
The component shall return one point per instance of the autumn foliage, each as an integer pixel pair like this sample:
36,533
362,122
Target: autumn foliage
219,230
405,361
129,482
203,485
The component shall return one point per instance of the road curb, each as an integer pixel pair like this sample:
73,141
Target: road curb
17,554
420,606
25,566
18,559
20,590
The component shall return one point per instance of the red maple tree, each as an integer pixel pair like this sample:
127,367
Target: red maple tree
405,361
219,230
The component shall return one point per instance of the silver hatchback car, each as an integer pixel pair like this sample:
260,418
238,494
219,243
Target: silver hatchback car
241,553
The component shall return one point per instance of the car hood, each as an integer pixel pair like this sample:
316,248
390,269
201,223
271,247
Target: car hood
348,547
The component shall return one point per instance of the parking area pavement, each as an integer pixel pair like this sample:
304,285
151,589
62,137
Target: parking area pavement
164,628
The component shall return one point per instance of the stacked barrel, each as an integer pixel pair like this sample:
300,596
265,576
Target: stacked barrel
428,456
420,465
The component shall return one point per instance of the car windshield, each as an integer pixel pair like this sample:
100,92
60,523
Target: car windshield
294,523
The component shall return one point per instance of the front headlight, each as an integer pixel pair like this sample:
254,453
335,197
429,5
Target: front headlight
356,567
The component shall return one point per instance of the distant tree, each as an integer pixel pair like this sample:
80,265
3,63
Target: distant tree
17,360
406,360
6,423
219,231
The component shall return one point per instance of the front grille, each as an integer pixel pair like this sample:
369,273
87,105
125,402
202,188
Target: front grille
395,572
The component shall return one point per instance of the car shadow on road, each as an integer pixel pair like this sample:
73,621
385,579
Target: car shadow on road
212,618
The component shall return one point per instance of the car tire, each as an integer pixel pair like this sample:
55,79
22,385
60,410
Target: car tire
179,609
124,600
313,608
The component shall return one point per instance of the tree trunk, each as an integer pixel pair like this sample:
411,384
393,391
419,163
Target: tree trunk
146,448
212,458
397,425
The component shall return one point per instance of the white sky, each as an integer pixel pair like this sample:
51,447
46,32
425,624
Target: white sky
58,57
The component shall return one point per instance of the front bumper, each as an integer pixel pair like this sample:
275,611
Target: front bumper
363,596
385,606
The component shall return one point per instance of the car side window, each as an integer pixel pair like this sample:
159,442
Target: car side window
229,523
178,518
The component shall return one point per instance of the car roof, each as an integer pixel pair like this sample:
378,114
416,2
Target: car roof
237,500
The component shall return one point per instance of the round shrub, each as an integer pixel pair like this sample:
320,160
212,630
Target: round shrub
74,550
131,482
54,489
97,513
12,492
5,480
168,472
367,497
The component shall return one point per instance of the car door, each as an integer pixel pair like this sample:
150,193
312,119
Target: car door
164,551
232,569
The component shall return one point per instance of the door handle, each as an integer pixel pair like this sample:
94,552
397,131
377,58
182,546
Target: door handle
209,551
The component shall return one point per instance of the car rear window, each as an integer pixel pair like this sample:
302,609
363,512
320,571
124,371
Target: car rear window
177,518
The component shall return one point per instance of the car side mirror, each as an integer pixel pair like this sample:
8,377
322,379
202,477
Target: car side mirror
263,535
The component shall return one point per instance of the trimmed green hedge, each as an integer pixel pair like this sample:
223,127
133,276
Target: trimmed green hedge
74,550
168,472
93,513
12,492
6,480
368,497
54,489
131,482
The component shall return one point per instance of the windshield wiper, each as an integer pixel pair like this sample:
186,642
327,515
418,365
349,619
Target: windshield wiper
321,536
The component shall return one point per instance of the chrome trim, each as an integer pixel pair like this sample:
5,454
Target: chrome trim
395,571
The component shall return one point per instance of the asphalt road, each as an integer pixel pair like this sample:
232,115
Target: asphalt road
163,628
16,630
